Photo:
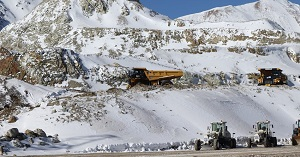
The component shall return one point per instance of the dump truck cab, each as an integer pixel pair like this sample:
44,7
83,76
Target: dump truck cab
271,76
296,133
152,77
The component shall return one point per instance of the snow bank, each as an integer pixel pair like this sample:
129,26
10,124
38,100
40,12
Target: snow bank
142,147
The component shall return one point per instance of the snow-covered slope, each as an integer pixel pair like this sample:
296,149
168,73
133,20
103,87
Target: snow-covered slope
12,11
279,13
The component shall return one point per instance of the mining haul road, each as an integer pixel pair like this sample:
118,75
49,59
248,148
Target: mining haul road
280,151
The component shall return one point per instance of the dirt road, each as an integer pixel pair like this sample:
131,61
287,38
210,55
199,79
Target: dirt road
282,151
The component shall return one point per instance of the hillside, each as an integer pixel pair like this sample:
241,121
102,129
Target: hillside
64,67
280,13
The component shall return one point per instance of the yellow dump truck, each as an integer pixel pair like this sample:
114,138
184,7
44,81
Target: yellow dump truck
271,76
152,77
296,133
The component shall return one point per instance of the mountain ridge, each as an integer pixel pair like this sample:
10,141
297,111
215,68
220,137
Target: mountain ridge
283,13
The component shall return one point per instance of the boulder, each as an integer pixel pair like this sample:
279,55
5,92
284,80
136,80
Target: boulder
12,133
55,139
40,133
30,133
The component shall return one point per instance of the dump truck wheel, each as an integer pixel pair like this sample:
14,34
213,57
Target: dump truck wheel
249,143
197,145
166,82
216,144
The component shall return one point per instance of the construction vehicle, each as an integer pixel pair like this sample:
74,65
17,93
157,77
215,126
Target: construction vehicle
296,133
219,137
271,76
152,77
262,135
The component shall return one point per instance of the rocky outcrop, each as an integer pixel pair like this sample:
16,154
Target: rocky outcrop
14,138
47,67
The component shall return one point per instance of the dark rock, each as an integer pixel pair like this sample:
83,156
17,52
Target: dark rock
12,133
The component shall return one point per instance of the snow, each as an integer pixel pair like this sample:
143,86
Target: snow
160,118
256,11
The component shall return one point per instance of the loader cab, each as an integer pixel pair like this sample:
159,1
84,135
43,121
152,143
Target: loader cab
219,127
264,126
298,123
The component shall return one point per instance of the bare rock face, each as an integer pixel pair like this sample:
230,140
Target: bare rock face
12,133
48,67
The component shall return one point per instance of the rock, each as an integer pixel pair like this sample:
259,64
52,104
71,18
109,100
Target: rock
17,143
42,143
12,119
55,139
30,140
5,138
12,133
1,150
21,136
30,133
40,133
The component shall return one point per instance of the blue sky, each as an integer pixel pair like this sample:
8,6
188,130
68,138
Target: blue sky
177,8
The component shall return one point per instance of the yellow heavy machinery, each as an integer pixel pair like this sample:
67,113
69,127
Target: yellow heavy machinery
271,76
152,77
296,133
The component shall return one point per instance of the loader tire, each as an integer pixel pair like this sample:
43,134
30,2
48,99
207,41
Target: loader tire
274,142
294,142
197,145
266,142
230,143
216,144
234,143
166,82
249,143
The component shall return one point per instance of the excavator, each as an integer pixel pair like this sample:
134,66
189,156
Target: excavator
152,77
296,133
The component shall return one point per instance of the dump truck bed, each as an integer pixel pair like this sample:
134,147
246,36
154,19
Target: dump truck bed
163,74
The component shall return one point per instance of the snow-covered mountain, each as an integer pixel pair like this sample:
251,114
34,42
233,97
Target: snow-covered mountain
279,13
64,67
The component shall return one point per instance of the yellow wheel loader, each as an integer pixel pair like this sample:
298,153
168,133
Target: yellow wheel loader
296,133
